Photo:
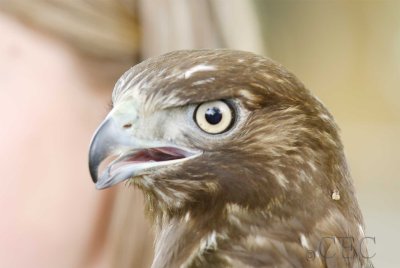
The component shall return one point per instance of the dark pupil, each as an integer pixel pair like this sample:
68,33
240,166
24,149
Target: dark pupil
213,115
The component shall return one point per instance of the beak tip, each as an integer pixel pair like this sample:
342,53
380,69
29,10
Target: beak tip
99,148
93,172
93,175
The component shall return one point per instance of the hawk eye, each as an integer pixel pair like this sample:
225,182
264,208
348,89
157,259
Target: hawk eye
214,117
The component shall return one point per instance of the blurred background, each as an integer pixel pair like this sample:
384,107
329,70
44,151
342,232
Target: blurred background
348,54
59,61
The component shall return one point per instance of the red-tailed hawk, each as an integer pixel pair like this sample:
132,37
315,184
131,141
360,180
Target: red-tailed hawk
239,164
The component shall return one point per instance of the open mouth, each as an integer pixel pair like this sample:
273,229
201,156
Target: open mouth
156,155
119,167
116,155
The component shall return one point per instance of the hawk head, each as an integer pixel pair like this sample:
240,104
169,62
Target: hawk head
234,156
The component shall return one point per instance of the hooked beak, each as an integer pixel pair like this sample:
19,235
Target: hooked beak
115,155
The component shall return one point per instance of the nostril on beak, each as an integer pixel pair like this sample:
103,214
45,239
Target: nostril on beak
129,125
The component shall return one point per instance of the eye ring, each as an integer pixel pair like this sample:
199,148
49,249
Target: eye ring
214,117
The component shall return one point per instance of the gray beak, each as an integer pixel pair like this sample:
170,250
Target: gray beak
116,155
109,141
101,146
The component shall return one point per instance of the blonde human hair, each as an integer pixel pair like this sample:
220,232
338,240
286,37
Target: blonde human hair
99,30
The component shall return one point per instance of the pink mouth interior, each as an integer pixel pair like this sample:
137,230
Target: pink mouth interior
156,155
113,163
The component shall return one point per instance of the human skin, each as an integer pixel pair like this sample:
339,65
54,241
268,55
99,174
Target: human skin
51,215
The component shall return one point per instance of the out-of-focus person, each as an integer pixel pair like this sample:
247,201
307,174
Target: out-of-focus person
59,60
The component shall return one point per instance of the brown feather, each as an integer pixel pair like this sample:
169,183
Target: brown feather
261,197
